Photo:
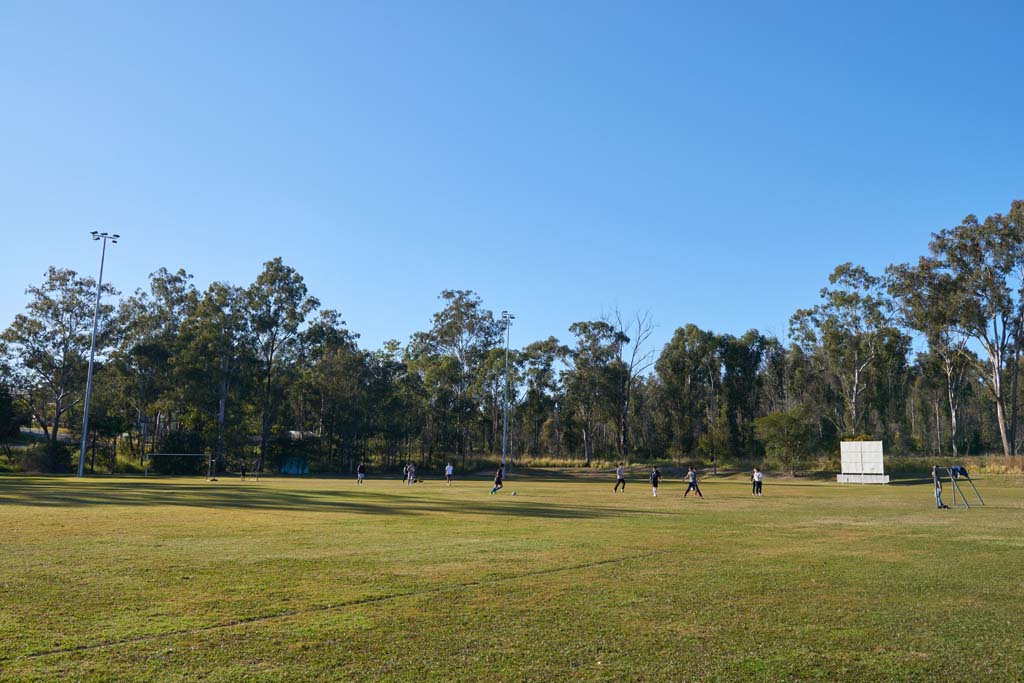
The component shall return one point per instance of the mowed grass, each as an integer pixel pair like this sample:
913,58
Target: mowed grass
317,579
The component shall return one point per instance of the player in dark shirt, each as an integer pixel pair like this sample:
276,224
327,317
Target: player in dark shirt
497,479
655,478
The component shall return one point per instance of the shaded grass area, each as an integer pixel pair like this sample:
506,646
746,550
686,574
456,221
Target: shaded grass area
298,580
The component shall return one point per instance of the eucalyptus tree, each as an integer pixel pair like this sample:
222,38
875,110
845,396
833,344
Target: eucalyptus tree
147,345
929,302
450,357
489,388
397,399
214,362
788,436
46,346
595,378
650,431
848,329
689,369
776,391
742,359
333,379
541,361
11,417
985,261
278,304
635,359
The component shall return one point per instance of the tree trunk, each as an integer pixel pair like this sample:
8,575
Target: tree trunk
264,424
1013,397
951,395
997,390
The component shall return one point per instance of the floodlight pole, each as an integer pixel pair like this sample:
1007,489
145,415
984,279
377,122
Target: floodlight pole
508,318
102,236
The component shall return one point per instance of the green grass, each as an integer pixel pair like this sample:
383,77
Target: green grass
134,579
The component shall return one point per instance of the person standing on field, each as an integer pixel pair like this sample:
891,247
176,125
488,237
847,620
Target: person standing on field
448,472
756,478
655,480
691,477
498,477
360,473
410,474
937,481
620,478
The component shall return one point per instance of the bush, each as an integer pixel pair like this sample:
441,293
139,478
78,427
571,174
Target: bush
45,457
787,437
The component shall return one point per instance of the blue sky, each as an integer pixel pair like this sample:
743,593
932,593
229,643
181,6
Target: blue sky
708,163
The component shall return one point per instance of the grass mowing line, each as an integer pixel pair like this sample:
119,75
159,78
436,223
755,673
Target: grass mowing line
469,585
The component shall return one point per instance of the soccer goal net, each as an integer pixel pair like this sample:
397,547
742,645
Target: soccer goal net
180,463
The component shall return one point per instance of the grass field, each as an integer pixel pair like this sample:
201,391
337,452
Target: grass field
310,580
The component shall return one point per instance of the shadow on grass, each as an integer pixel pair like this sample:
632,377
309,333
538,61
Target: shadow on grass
62,493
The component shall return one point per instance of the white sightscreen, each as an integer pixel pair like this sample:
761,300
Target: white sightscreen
862,457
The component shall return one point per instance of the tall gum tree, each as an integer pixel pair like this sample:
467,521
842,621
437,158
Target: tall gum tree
278,304
847,329
689,368
594,379
635,359
215,352
986,261
450,358
46,347
928,301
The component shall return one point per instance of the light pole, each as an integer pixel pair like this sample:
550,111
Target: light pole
92,347
508,318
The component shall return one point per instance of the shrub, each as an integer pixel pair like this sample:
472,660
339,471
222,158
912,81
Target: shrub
787,437
45,457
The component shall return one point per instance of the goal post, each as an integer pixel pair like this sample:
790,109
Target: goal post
183,458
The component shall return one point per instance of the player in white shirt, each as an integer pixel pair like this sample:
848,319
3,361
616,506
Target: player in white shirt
756,478
448,472
620,478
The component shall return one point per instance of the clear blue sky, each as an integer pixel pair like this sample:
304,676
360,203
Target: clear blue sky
710,163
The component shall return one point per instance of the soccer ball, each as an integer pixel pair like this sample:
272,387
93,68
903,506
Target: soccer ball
514,493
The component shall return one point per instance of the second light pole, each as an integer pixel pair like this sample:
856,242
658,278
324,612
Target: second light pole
508,318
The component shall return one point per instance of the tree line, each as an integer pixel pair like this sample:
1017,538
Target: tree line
263,373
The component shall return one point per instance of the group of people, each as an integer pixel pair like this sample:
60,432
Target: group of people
408,473
692,481
655,477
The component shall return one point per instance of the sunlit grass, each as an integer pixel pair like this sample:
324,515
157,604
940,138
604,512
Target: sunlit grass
302,580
